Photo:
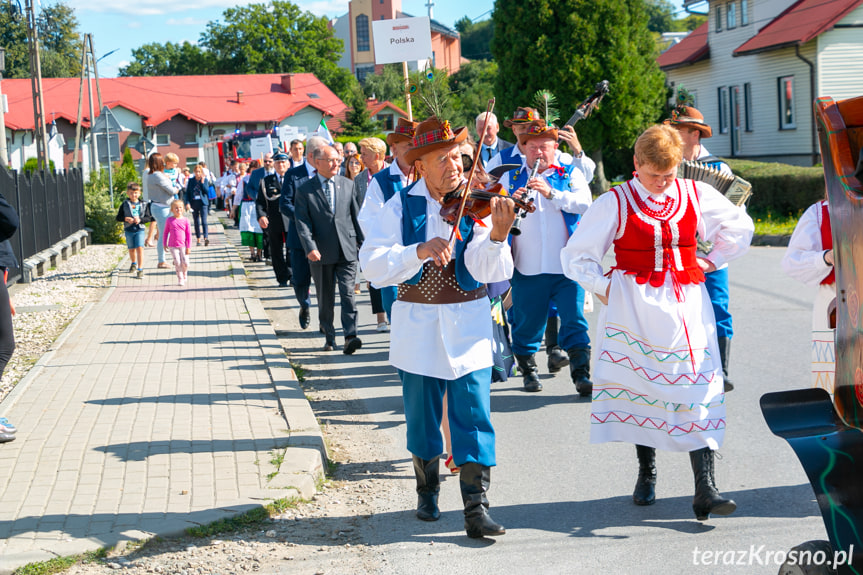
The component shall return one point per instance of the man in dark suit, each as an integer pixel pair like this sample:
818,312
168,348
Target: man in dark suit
301,279
491,144
325,212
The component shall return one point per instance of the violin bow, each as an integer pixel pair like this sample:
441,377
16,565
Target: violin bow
476,159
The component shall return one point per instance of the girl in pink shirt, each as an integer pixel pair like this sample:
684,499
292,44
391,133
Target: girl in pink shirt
178,238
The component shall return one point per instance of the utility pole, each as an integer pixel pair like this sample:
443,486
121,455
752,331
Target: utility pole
36,84
4,154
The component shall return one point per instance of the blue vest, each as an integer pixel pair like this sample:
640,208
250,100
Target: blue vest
389,183
510,156
414,232
518,179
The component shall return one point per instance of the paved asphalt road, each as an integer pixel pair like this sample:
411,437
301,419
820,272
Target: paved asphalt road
567,504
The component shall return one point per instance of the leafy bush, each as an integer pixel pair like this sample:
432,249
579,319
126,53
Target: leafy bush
31,163
99,213
780,189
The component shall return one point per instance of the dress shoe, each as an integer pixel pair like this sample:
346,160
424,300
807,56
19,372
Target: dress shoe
206,241
283,284
305,318
329,347
352,345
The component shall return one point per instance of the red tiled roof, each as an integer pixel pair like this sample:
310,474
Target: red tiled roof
334,124
688,51
798,24
204,99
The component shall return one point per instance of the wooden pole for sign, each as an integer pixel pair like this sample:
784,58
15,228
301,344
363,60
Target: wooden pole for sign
407,91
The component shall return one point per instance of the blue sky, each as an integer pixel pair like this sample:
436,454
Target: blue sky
123,25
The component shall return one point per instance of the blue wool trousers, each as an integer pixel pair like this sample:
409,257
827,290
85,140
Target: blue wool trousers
469,410
717,288
531,296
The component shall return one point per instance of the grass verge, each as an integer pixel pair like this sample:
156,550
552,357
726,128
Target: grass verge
60,564
771,225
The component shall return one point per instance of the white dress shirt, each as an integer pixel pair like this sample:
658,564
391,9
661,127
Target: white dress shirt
582,163
442,341
544,232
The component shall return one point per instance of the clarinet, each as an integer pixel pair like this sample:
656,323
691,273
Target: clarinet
520,214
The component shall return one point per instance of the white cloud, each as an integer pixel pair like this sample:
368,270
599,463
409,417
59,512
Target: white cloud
187,21
134,24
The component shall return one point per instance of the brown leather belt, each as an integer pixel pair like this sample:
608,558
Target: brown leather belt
438,286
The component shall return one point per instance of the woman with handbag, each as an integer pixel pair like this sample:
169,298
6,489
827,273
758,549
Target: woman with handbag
198,202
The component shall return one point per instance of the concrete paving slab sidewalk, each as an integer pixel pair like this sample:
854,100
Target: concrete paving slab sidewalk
159,408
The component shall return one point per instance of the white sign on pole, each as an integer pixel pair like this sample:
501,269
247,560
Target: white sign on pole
259,147
402,40
288,133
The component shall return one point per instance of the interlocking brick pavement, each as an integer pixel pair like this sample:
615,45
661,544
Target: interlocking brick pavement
156,410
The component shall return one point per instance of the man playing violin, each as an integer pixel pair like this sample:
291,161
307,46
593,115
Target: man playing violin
441,329
560,194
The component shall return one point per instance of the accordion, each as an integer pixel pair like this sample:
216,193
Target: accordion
735,188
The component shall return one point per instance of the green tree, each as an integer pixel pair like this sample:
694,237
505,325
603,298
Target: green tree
169,59
358,121
660,16
472,86
59,42
277,37
689,23
475,38
567,46
388,85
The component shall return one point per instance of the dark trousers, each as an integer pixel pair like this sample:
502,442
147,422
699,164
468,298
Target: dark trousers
327,276
7,336
301,278
276,237
377,302
199,216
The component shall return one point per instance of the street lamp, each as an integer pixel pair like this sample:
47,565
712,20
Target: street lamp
2,60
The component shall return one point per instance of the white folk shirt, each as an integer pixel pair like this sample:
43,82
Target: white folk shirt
443,341
804,258
374,202
544,233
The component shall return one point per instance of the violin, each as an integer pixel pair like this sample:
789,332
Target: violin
478,203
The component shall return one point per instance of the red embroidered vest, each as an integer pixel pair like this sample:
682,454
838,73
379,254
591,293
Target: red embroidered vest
827,241
654,239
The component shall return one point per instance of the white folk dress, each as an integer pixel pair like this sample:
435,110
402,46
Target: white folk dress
658,377
804,261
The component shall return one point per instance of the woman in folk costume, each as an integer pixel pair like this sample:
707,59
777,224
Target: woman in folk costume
658,379
809,258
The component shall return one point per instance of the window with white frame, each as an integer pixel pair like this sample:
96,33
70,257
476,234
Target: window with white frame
719,18
731,15
190,139
786,103
162,139
747,107
722,93
744,12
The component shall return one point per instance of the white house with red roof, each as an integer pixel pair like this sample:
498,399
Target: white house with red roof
756,66
179,113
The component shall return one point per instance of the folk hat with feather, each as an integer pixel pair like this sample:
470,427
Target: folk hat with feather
537,129
522,115
404,132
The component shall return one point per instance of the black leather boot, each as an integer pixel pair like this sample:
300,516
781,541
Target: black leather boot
428,488
707,499
645,492
724,352
557,358
528,369
474,480
579,370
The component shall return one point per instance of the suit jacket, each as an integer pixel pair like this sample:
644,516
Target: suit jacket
498,148
294,178
319,228
361,185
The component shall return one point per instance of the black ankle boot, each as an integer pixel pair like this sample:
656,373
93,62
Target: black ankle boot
557,358
579,370
474,481
645,492
428,487
528,369
707,499
724,352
